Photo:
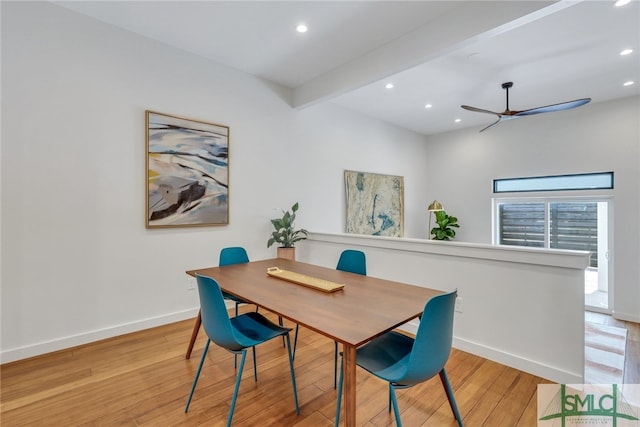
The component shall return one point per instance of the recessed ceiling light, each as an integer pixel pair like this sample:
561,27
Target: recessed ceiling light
389,86
428,106
629,83
301,28
457,120
626,52
621,2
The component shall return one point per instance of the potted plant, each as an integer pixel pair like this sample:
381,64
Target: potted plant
445,224
285,235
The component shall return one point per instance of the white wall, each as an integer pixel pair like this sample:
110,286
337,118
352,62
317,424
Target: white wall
77,262
330,139
598,137
500,291
76,256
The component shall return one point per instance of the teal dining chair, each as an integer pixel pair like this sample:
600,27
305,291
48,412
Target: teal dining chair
236,335
238,255
403,361
231,256
352,261
228,256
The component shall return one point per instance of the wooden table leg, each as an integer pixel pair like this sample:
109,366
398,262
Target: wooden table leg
194,335
349,354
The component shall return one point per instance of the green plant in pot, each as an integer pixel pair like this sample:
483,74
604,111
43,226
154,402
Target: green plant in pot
285,235
444,230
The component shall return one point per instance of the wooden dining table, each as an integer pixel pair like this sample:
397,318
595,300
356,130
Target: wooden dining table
365,308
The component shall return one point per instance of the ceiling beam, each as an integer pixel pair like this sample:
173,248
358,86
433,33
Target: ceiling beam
469,22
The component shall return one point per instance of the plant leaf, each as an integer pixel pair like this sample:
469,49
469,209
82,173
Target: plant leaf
284,233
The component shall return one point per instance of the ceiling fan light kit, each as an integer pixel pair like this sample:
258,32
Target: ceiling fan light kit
512,114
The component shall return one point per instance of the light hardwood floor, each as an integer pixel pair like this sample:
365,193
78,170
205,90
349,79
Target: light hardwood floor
142,379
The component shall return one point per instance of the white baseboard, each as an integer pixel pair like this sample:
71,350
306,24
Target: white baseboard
518,362
25,352
513,361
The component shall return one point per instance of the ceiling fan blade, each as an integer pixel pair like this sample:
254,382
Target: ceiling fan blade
555,107
491,125
479,110
512,114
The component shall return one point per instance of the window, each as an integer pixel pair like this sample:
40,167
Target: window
549,224
574,223
585,181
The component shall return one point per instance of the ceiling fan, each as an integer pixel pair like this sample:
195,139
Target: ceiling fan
512,114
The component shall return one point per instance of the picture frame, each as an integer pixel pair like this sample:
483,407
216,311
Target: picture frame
187,172
374,204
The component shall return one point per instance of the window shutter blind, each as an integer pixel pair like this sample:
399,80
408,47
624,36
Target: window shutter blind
572,225
522,224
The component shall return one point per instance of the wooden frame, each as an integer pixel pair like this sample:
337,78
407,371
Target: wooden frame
187,179
375,204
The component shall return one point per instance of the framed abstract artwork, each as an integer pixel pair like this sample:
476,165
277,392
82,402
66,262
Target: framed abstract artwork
375,204
187,172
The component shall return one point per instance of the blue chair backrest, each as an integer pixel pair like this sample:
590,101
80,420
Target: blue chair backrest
233,255
352,261
432,344
215,318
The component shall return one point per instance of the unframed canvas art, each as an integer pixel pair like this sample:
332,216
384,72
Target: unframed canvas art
187,172
375,204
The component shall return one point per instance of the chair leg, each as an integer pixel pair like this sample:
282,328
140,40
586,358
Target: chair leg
235,356
293,374
237,387
195,380
339,399
281,323
295,342
335,364
255,364
394,401
450,397
194,335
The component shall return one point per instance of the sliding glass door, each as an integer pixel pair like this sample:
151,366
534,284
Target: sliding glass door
575,224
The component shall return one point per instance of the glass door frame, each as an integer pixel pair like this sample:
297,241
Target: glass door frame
568,199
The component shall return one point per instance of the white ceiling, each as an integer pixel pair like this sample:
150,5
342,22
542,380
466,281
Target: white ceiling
445,53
